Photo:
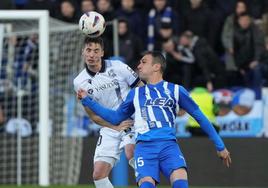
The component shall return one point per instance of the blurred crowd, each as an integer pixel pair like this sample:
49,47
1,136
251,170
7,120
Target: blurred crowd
212,44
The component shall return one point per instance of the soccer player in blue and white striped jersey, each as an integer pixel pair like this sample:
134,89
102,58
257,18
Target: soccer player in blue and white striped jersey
155,106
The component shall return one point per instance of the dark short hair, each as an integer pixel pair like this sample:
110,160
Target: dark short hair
123,19
157,58
188,34
245,13
166,25
97,40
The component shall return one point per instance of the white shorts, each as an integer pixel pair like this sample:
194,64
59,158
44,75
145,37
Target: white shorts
110,145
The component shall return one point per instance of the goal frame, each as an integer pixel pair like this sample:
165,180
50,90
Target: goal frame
43,30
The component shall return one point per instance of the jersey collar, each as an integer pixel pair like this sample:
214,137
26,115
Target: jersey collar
157,84
103,67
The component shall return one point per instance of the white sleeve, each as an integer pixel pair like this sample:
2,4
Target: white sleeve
130,76
76,85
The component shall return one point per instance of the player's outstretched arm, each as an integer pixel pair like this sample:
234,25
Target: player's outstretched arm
98,120
191,107
114,117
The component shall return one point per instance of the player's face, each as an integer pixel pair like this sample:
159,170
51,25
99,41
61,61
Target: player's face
92,54
146,67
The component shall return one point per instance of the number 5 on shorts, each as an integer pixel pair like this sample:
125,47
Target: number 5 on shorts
140,161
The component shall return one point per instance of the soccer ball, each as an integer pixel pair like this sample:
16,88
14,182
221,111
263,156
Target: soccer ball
92,24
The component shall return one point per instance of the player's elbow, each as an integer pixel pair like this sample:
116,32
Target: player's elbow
95,119
114,121
98,120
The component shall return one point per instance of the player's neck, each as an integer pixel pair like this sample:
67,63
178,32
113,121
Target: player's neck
94,68
154,80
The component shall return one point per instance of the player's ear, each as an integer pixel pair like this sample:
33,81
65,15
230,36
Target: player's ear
157,67
102,53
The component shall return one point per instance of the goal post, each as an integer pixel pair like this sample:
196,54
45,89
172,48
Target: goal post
43,22
44,97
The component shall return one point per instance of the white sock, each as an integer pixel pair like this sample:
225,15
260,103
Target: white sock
103,183
131,162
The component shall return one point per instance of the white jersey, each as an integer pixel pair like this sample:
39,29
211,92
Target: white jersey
110,85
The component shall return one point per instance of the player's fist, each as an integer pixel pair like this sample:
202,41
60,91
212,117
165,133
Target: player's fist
124,125
81,94
225,156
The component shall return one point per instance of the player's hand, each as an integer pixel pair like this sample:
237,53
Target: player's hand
124,125
225,156
81,94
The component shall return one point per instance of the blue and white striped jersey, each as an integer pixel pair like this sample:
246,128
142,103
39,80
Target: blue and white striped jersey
155,108
155,111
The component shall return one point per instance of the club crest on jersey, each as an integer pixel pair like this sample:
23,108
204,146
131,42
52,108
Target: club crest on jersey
164,102
90,91
115,82
167,91
111,73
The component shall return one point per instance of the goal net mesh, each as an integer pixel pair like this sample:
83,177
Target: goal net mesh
19,72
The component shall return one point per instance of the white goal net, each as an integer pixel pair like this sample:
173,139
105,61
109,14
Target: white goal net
19,101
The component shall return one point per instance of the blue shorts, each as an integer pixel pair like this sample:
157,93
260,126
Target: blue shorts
154,157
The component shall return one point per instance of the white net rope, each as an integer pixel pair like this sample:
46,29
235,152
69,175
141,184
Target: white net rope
19,67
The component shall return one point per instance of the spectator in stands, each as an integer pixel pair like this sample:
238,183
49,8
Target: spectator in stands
30,65
134,17
68,12
248,45
180,62
18,71
208,69
25,73
42,5
165,32
187,58
227,35
173,70
160,12
197,19
105,8
87,5
130,45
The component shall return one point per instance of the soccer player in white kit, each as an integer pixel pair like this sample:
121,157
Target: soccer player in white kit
108,82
